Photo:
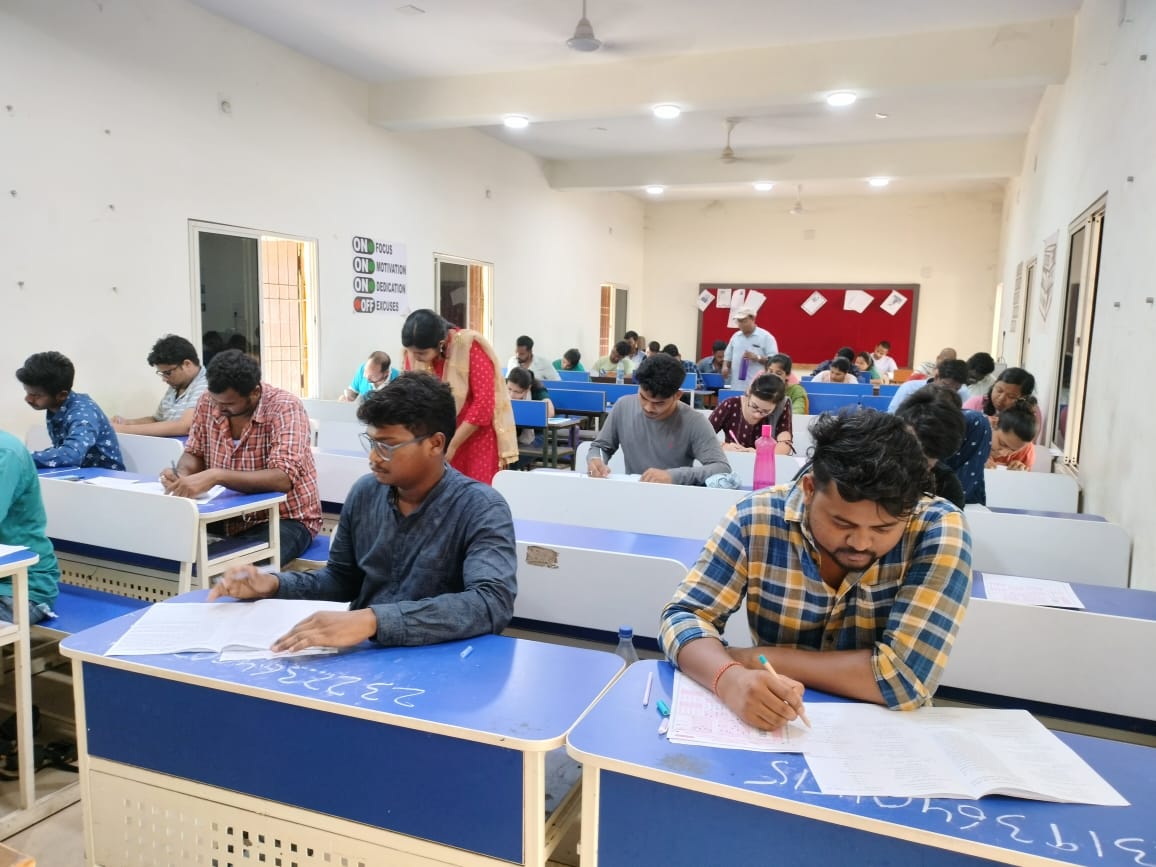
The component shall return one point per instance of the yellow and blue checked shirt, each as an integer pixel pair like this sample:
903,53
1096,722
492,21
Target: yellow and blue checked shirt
906,607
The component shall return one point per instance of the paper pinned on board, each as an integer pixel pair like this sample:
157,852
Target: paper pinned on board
894,302
856,300
755,300
723,299
814,302
704,300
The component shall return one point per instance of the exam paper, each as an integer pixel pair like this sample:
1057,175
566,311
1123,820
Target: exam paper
1029,591
856,300
699,718
147,487
893,303
177,627
814,303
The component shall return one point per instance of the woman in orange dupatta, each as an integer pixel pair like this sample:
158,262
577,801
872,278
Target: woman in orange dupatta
485,440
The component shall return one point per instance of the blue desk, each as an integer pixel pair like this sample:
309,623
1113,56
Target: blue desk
378,754
647,801
686,551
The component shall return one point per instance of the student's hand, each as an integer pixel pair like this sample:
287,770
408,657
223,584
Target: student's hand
728,446
751,355
990,465
760,698
329,629
245,582
660,477
1017,465
192,485
168,479
726,371
597,469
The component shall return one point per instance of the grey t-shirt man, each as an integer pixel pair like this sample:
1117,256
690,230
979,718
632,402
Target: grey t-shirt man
671,444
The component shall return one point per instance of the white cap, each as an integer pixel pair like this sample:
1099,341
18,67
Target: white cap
744,312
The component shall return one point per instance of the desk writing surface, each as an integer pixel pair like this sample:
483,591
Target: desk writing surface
506,690
1071,516
227,501
17,560
1098,599
620,735
685,551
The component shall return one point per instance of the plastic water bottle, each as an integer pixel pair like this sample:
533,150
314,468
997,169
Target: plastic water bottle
765,459
625,647
743,369
620,373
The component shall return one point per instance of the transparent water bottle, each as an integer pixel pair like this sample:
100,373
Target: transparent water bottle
765,459
625,647
620,373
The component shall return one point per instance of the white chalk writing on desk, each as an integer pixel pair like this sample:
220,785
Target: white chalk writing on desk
1028,832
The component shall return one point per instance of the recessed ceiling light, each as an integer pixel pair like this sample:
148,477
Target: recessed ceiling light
879,182
655,190
882,115
516,121
666,111
764,186
840,98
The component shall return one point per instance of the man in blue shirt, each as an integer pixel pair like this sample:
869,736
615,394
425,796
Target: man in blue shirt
749,349
371,376
22,522
81,433
422,553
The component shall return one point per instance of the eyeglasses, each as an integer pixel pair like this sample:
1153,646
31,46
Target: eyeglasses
385,450
165,374
758,410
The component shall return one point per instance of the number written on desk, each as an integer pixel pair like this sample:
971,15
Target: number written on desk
325,683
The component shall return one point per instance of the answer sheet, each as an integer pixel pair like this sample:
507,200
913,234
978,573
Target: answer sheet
698,717
1029,591
148,487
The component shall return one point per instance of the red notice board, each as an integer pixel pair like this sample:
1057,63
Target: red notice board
811,339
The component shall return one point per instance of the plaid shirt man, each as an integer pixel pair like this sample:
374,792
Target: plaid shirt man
906,607
276,438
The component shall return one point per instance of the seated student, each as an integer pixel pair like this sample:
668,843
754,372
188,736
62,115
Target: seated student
1012,436
652,348
969,460
607,365
688,366
374,373
716,361
571,360
741,419
980,374
174,360
843,352
524,357
521,384
251,437
637,345
22,523
81,433
1011,385
660,436
865,369
926,369
856,581
936,417
838,370
423,553
780,365
951,374
883,361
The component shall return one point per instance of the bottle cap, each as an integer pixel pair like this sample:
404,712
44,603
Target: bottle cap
625,631
767,431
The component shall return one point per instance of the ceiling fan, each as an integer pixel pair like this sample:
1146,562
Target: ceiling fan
729,157
797,209
584,38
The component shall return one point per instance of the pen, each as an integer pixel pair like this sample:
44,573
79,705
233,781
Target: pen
663,707
767,665
646,693
731,434
469,649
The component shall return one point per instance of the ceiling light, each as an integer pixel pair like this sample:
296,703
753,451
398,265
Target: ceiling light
881,115
840,98
666,111
516,121
764,186
879,182
655,190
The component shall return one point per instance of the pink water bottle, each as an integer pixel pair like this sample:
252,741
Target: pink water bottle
765,459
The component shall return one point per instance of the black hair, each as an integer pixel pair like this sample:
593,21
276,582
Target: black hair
172,349
885,344
979,366
953,369
840,363
661,375
622,348
869,455
768,387
718,346
231,368
521,377
237,341
671,349
423,329
846,352
1012,376
50,371
781,359
1020,419
936,416
653,346
417,401
868,357
630,335
527,342
573,356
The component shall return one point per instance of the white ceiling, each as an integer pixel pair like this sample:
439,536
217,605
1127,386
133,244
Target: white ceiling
956,79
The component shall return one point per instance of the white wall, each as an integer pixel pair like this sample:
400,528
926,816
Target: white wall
1088,137
296,155
948,243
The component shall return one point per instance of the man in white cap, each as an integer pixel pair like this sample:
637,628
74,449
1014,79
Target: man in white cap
748,351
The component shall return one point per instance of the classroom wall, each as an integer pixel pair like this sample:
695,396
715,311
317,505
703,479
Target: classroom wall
948,243
115,140
1090,135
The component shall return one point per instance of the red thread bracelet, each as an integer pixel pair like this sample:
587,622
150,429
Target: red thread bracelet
718,674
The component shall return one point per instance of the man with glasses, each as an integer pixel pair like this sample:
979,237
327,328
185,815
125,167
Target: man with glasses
371,376
741,419
251,437
422,553
660,436
174,359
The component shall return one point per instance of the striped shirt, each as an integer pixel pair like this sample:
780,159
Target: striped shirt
906,607
173,405
276,438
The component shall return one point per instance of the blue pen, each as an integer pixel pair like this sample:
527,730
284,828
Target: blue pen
663,708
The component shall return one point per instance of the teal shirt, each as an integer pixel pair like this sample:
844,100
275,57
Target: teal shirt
22,519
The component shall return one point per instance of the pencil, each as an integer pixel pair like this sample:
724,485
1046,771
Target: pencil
767,665
646,694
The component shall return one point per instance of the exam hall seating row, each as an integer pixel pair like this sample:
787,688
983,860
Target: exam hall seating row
142,454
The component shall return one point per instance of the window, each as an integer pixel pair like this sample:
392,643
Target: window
1084,239
1026,319
611,316
464,292
257,293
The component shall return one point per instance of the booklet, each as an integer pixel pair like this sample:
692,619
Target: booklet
142,487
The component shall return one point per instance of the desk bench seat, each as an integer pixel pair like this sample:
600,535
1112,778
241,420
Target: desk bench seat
80,608
313,557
